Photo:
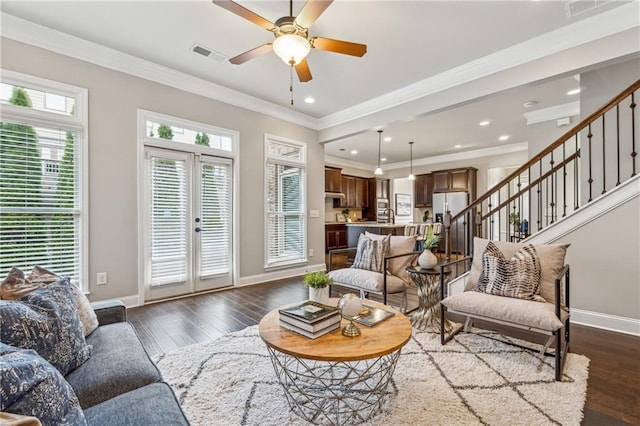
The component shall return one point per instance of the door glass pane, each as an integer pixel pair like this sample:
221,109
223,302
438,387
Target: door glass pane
215,234
168,221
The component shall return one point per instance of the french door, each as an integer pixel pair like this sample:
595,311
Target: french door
187,223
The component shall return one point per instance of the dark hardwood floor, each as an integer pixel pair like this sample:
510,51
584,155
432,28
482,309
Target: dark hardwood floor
613,394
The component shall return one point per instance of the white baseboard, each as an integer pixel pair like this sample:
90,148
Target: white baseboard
605,321
280,274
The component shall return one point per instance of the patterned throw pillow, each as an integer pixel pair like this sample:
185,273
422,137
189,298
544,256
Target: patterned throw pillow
16,285
46,320
517,277
370,254
30,386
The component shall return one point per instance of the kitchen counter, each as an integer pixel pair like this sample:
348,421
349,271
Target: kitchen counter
377,225
354,230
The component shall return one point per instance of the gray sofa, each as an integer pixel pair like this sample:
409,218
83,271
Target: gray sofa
119,384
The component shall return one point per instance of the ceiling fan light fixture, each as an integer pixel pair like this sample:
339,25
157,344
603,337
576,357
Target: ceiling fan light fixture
291,48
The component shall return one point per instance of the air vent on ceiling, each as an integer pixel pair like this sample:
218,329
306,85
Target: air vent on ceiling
576,7
208,53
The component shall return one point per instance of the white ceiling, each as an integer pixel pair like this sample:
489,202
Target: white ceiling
408,42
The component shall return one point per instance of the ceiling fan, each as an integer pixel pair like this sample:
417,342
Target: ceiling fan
292,42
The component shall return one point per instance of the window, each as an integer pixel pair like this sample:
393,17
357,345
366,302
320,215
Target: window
41,191
217,139
285,202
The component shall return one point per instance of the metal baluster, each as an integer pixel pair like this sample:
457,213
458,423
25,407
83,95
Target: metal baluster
553,194
564,180
576,195
589,136
539,218
633,134
618,139
604,166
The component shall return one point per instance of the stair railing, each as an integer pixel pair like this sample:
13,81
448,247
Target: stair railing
593,157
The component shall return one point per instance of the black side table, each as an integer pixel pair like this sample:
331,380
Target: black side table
427,317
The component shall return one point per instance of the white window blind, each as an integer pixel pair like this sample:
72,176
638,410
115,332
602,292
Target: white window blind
215,225
168,216
40,201
286,222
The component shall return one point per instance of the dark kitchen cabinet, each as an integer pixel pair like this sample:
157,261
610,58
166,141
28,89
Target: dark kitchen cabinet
356,193
332,180
378,188
455,180
335,236
362,193
424,190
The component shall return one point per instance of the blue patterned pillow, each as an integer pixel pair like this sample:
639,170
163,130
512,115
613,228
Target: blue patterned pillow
46,320
371,252
30,386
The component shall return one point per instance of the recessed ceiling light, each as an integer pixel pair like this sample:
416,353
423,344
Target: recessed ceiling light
387,139
457,146
484,123
573,91
504,137
529,104
383,159
309,100
354,151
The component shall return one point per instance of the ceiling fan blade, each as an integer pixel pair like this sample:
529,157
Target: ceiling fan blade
253,53
244,13
311,11
303,71
338,46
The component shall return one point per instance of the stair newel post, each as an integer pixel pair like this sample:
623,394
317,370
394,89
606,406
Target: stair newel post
633,135
447,235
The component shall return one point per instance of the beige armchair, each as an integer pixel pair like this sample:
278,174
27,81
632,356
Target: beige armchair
391,279
499,290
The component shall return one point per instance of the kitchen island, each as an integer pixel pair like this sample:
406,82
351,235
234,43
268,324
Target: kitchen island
356,228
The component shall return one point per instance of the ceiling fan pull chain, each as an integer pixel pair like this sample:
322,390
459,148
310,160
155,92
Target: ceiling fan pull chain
291,82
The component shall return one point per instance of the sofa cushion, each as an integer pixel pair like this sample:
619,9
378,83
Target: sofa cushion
367,280
16,285
30,386
154,404
399,245
119,364
551,258
537,315
516,277
46,320
370,253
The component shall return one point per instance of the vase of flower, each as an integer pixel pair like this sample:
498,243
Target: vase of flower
427,260
318,283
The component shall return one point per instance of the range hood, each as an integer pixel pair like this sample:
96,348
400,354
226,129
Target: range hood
334,195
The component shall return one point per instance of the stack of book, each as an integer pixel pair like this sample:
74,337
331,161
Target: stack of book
310,319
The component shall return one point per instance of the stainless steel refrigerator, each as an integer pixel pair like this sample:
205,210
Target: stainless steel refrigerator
454,202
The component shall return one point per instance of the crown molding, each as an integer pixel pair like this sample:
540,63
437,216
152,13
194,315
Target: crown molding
552,113
585,31
436,159
65,44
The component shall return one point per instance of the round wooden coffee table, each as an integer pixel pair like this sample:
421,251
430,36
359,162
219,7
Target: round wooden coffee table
336,379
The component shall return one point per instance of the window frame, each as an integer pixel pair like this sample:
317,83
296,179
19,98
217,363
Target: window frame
293,162
78,123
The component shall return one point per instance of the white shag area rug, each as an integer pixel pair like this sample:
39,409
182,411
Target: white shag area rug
474,379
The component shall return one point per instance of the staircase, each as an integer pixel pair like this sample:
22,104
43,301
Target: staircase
582,189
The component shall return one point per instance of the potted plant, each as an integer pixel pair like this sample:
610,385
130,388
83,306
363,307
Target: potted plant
318,283
514,219
345,213
427,259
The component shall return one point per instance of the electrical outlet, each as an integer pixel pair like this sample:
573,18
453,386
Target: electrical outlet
310,252
101,278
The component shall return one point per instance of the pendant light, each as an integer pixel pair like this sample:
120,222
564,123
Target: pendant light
379,169
411,176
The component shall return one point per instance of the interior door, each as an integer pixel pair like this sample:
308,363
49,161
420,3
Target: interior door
187,223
